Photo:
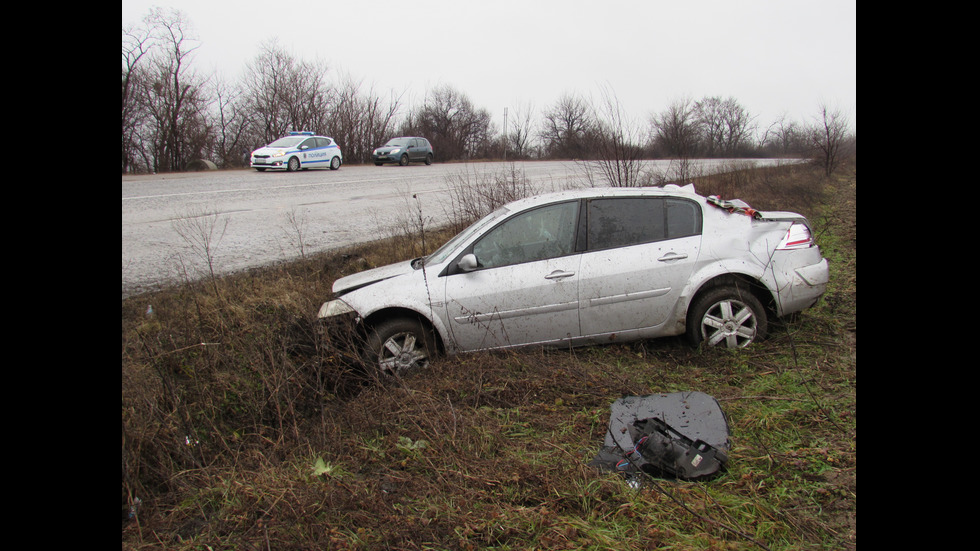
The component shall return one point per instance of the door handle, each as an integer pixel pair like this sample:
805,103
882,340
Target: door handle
558,274
672,256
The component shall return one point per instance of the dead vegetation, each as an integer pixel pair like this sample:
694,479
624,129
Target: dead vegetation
243,429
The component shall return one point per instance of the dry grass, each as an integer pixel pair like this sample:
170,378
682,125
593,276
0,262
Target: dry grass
243,429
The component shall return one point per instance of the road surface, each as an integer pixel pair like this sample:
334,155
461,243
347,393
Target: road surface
180,226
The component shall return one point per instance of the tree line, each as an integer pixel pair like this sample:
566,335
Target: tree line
173,115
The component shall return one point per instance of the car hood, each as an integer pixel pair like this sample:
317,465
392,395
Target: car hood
387,148
374,275
269,150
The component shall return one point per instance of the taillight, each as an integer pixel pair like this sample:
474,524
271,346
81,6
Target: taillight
797,237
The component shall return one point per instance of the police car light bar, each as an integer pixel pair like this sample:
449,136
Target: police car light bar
294,133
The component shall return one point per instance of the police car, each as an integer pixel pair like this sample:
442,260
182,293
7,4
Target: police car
298,150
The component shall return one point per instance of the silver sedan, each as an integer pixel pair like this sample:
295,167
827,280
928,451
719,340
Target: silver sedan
586,267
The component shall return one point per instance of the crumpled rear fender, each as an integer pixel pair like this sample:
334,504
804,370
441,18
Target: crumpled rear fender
727,255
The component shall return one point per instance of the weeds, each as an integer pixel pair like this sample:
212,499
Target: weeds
473,195
243,429
295,230
202,232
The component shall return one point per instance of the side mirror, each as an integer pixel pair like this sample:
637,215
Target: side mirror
468,263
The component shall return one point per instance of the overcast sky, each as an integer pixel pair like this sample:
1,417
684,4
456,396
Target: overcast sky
775,57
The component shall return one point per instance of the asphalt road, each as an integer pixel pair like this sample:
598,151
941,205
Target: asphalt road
180,226
172,224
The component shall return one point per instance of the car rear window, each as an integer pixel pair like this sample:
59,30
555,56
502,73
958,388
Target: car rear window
621,222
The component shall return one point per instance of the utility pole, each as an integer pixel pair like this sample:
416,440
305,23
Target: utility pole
505,134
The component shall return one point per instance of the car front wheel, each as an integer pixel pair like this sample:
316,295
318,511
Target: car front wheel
404,160
399,345
729,317
292,165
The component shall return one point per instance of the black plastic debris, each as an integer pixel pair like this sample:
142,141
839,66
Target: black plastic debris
681,434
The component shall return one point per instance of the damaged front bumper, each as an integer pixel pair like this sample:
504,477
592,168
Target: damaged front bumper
340,328
334,308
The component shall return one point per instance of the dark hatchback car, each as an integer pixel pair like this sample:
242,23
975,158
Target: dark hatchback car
403,150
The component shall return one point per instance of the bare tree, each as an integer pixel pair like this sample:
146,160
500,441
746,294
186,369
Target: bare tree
359,120
521,126
136,42
723,125
286,93
174,95
674,130
567,128
232,123
739,126
380,118
616,144
783,137
829,138
456,128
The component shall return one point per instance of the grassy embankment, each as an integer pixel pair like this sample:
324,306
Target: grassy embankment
242,431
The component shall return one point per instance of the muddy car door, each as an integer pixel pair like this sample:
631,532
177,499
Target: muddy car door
519,284
640,253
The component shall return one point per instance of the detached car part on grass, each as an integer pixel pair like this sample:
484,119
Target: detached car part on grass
681,434
587,267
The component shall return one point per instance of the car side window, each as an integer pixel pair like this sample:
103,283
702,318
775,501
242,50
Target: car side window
621,222
546,232
683,218
322,142
308,144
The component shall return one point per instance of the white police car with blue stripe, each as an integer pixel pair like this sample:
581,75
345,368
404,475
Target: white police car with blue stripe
298,150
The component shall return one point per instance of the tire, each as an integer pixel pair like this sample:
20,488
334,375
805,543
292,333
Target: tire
292,165
397,346
428,159
378,164
404,160
260,169
335,163
730,317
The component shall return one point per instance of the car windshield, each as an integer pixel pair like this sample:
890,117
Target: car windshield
444,251
396,143
287,142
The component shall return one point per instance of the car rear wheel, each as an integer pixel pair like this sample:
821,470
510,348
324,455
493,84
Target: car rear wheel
292,165
404,160
399,345
335,163
428,159
730,317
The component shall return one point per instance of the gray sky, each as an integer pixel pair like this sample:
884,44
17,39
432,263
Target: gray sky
775,57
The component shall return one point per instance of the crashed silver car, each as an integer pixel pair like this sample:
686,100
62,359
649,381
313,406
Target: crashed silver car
586,267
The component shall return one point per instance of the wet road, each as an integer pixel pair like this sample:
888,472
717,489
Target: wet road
179,226
244,218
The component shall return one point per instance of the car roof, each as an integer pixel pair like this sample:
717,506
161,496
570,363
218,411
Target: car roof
669,190
305,135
